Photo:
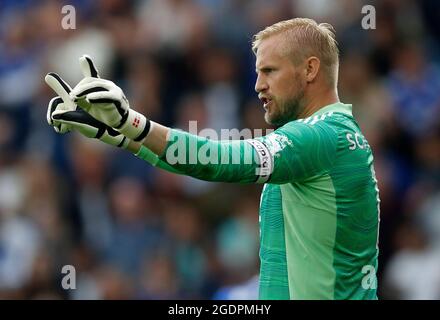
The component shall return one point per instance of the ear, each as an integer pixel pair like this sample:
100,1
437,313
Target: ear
312,68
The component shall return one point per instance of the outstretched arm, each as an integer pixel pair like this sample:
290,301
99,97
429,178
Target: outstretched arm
183,153
292,153
170,149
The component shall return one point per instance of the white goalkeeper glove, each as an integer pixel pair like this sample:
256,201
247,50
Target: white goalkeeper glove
64,115
106,102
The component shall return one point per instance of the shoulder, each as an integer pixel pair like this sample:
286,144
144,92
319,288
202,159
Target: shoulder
310,135
324,126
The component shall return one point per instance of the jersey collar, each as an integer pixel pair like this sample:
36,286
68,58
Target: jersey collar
336,107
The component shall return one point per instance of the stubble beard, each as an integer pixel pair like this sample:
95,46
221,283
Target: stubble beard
287,110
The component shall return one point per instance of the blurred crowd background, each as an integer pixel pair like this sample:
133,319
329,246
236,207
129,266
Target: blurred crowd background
136,232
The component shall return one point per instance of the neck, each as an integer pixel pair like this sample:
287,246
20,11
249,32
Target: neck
317,101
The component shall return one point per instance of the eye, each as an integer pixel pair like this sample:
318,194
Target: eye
267,70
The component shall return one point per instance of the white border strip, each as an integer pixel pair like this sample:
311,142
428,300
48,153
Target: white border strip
265,167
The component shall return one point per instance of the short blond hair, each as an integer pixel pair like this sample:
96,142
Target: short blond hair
309,39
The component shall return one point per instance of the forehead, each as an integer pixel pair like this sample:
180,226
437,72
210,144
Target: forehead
271,50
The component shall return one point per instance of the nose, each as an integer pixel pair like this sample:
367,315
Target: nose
260,84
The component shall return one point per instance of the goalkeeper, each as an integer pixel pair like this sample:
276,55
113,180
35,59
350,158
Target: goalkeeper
319,210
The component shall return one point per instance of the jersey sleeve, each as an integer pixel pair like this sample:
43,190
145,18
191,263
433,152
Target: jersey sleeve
300,151
205,159
293,152
149,156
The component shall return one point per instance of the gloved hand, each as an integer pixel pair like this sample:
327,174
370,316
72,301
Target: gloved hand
64,115
106,102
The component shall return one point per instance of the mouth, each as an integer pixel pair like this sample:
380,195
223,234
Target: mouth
266,102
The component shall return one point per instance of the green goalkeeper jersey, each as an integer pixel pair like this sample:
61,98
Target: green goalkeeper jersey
319,208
